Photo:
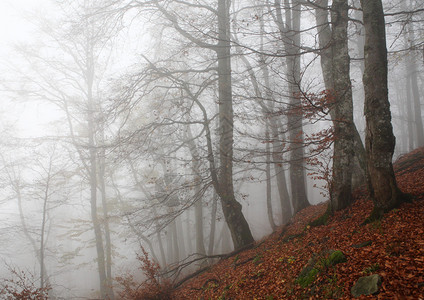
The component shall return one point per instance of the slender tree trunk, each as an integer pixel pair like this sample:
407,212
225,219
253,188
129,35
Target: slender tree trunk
291,39
175,245
409,116
417,105
213,224
379,141
93,203
43,228
189,229
341,189
277,145
106,225
161,248
413,77
198,205
140,236
273,125
268,180
181,236
239,228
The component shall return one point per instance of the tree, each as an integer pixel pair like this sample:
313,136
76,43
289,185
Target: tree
219,43
341,189
67,73
335,65
379,139
289,30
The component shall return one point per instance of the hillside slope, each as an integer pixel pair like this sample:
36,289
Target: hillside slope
392,248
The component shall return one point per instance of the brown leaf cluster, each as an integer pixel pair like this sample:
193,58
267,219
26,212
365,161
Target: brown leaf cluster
269,270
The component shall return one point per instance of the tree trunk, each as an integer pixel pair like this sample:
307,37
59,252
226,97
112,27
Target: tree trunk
108,240
239,228
291,39
379,140
213,224
417,104
198,205
93,203
272,125
325,36
181,236
413,77
409,115
268,180
341,188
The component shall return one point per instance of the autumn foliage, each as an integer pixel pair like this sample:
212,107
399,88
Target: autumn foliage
152,288
22,285
392,247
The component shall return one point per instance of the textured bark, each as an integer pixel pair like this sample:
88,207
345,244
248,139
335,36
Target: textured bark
297,170
379,141
327,47
341,189
239,228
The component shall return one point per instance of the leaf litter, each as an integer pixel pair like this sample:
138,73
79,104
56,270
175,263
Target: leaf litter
392,247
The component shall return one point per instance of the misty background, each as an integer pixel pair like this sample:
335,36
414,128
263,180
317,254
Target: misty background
110,128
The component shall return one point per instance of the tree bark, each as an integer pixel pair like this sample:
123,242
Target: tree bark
239,228
268,180
326,45
341,188
379,140
213,224
291,39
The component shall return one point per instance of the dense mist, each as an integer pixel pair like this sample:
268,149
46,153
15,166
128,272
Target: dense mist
187,128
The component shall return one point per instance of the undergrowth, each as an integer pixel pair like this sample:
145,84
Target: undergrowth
152,288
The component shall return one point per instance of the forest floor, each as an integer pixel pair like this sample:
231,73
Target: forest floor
392,247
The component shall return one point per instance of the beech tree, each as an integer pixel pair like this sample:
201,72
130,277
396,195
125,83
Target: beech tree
335,64
67,73
289,30
379,139
218,43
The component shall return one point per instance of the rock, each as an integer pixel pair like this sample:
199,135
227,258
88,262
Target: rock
368,285
336,257
318,263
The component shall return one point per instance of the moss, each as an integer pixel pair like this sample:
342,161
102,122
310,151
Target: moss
336,257
323,219
308,274
308,278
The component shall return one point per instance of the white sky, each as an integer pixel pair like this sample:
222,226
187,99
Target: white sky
15,28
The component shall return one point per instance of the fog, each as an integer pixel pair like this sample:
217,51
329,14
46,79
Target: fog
144,124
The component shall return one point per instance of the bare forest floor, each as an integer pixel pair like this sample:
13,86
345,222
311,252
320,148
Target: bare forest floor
394,249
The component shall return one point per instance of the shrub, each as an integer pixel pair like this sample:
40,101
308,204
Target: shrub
152,288
22,286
